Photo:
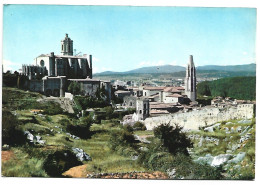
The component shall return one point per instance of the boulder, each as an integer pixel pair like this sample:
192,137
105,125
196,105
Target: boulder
29,136
81,155
209,129
228,123
201,141
34,139
205,160
238,158
246,121
220,159
171,173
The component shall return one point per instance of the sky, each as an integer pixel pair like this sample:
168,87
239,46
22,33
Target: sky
122,38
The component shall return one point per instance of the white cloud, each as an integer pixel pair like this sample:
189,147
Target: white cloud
9,65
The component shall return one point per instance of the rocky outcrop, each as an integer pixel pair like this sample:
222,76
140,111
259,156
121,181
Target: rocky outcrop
81,155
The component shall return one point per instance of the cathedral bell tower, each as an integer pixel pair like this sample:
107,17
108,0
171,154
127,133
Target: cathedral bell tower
67,46
190,80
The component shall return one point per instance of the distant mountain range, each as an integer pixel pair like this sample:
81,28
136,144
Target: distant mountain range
174,69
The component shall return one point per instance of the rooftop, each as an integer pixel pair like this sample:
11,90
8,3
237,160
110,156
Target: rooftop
175,95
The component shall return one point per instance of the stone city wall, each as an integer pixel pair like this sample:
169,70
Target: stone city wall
198,118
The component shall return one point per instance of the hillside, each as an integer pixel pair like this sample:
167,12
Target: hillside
234,87
246,68
53,143
234,68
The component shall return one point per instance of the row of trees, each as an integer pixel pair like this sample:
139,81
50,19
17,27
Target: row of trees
235,87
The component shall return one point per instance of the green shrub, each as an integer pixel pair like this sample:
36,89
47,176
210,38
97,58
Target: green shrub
59,162
52,108
122,137
139,126
82,129
10,133
173,138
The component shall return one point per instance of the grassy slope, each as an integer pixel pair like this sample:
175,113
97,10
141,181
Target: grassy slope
31,159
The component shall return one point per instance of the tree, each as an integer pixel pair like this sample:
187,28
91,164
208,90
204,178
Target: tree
173,138
74,88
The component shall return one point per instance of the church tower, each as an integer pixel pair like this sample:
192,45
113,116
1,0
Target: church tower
67,46
190,80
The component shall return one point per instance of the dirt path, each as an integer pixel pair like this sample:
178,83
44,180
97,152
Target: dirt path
80,172
6,155
76,172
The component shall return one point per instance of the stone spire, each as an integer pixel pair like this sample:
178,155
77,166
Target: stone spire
67,46
190,80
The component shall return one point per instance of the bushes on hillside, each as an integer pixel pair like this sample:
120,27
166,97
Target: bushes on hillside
173,138
139,126
59,162
158,158
82,129
11,135
122,137
52,108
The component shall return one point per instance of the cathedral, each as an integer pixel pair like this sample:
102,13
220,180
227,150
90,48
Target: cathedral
65,64
51,74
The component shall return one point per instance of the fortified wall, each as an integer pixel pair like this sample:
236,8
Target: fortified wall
205,116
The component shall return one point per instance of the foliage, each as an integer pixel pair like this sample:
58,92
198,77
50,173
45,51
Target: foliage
122,137
82,129
114,98
173,138
234,87
109,111
9,79
203,88
59,162
86,102
158,158
139,126
51,108
74,88
10,133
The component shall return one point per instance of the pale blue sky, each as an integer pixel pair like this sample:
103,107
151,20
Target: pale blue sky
122,38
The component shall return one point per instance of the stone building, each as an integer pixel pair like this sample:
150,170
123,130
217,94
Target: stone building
190,80
142,108
52,74
60,65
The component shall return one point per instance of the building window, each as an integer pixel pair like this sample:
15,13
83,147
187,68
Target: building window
140,111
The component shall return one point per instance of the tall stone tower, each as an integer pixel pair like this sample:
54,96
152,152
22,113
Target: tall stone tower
190,80
67,46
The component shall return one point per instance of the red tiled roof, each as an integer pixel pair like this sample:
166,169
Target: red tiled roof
175,95
153,88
